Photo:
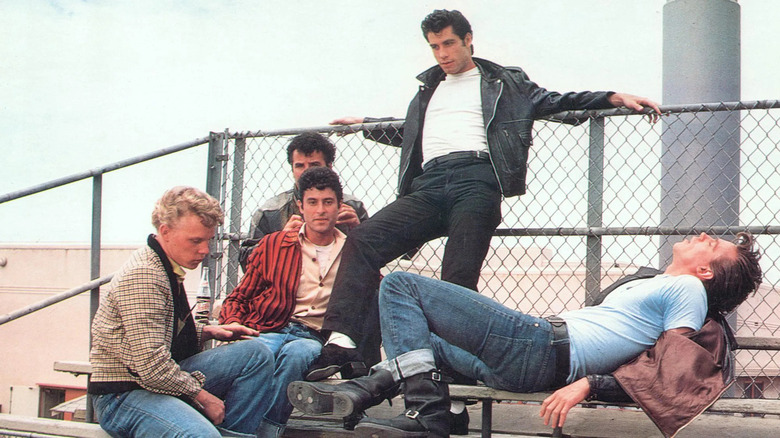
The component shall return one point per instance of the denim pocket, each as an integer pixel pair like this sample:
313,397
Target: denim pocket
510,359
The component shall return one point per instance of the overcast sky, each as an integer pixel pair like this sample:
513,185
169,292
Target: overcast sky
87,83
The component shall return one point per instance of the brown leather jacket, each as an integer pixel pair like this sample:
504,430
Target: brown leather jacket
680,376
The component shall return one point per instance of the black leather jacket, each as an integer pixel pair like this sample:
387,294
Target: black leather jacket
510,104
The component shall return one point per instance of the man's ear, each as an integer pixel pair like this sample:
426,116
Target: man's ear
163,231
704,272
300,204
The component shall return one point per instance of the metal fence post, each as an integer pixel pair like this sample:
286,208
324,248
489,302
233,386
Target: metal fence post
236,205
214,183
94,271
595,208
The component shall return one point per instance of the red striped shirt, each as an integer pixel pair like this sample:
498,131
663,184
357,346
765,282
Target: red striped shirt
265,298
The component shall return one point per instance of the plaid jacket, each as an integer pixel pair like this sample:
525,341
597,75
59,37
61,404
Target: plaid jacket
132,333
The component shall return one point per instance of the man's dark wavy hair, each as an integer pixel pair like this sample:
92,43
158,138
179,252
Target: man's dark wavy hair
437,20
310,142
320,178
733,280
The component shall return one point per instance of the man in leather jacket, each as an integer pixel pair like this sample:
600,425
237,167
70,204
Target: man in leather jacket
464,144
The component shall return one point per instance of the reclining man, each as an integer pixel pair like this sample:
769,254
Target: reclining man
305,151
148,377
422,328
286,289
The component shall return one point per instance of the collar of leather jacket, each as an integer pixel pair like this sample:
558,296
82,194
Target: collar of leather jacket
434,75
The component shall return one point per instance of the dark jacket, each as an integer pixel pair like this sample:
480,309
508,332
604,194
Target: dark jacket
510,104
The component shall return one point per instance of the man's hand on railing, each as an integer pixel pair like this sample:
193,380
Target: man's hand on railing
349,120
636,103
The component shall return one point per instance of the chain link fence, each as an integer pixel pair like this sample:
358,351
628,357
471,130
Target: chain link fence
604,197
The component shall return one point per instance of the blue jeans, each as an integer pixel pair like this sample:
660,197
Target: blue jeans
459,199
426,322
236,373
294,348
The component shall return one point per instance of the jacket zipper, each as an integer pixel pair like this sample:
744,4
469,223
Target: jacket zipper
487,137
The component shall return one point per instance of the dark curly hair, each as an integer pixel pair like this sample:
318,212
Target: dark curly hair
310,142
733,280
437,20
320,178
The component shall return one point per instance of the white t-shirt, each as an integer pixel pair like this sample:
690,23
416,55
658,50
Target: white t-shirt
630,320
453,119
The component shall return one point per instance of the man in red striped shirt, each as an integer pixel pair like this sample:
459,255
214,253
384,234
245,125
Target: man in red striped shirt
286,288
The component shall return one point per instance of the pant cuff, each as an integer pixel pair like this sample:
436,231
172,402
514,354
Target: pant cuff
408,364
233,434
268,429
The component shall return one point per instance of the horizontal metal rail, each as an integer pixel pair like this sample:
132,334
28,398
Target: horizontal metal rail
62,296
601,231
101,170
636,231
564,116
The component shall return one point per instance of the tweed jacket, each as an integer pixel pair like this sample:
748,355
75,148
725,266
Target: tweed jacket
133,330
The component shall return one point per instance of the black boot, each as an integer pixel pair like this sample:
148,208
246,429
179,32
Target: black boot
343,399
427,399
334,359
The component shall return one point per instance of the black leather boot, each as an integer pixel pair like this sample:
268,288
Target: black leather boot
334,359
345,398
427,399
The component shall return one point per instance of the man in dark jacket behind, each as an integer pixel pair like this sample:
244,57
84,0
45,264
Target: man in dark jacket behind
464,144
281,212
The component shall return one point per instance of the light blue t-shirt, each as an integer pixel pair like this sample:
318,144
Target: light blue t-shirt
630,320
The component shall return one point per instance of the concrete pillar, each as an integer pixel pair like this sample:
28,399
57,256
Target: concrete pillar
700,153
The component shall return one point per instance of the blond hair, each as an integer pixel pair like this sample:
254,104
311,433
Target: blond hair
182,200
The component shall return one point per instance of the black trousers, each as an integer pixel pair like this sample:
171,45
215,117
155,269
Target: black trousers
459,198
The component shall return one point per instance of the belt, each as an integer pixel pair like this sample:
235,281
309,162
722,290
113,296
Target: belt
562,349
476,155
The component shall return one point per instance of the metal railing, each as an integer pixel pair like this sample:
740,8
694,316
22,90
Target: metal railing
97,204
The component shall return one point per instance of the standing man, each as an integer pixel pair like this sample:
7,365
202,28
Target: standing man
286,289
149,378
581,351
464,144
305,151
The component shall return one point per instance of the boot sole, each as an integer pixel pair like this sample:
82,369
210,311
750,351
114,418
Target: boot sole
371,430
349,370
311,399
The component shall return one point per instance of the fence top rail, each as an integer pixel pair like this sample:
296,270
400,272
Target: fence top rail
578,116
101,170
